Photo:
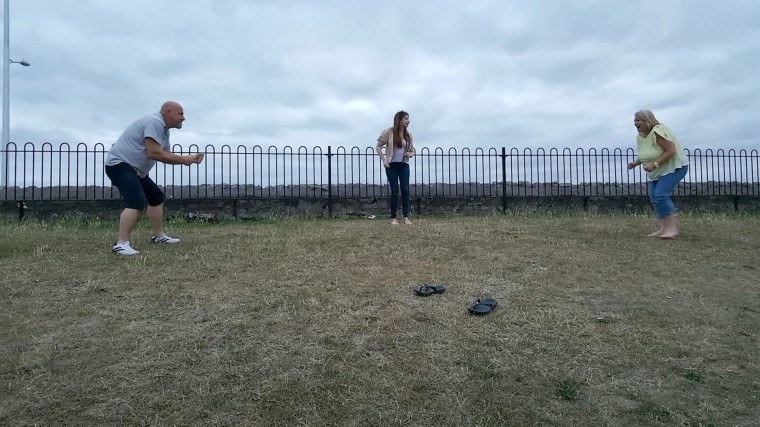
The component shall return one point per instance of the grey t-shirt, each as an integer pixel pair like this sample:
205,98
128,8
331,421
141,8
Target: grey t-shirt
130,147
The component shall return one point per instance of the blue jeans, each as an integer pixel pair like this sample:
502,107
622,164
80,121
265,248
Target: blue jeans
398,173
660,189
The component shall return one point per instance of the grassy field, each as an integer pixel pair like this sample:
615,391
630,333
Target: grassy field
314,322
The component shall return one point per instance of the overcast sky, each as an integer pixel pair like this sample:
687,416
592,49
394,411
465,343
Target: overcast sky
475,73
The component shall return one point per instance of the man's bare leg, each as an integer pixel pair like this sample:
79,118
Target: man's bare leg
156,218
127,222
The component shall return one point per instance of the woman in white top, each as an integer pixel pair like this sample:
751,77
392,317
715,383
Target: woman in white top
398,150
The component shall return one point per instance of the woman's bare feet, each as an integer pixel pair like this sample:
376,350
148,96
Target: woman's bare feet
406,221
660,229
394,221
669,227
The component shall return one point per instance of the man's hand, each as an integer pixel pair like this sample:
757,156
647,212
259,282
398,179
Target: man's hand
193,159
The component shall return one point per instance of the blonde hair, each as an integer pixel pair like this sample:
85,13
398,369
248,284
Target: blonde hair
647,117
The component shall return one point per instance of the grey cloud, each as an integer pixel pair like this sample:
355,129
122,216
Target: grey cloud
478,73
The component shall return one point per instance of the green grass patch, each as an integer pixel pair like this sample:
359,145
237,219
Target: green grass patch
568,389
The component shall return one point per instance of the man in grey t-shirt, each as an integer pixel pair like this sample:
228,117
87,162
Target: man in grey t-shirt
128,163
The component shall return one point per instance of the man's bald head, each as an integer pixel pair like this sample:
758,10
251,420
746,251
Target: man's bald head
173,114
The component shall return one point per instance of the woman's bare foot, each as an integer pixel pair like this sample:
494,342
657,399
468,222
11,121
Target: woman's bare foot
406,221
660,229
394,221
669,233
669,227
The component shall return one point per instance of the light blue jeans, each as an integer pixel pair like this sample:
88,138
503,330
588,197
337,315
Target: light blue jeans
660,189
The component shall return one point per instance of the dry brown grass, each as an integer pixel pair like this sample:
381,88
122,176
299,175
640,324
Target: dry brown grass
313,322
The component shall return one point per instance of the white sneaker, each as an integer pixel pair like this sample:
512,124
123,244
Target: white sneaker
163,239
123,248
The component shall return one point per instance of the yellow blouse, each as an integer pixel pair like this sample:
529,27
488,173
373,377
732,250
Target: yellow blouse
649,151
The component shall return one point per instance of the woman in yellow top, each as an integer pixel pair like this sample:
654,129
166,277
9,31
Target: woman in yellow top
398,150
665,163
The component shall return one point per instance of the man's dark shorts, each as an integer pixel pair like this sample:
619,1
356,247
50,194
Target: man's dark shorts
134,190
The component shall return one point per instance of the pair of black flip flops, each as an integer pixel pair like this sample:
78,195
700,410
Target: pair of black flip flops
426,290
482,306
479,307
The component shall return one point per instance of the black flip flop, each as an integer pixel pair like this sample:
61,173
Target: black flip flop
479,309
424,291
482,306
438,289
487,301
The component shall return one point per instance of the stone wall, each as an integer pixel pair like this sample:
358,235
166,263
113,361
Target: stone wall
252,209
364,191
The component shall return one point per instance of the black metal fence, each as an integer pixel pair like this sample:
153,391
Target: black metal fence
76,172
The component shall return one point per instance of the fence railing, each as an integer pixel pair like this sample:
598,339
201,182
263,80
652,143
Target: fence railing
76,172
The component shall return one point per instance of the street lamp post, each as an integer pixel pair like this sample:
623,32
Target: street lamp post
6,99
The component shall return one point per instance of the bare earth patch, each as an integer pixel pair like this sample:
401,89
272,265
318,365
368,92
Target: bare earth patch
314,322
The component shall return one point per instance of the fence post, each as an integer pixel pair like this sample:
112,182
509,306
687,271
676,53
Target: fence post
329,181
21,207
504,179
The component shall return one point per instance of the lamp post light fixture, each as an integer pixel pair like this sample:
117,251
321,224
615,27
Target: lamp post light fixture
6,100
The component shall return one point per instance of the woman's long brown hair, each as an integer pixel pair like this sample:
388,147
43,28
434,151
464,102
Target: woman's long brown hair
397,137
